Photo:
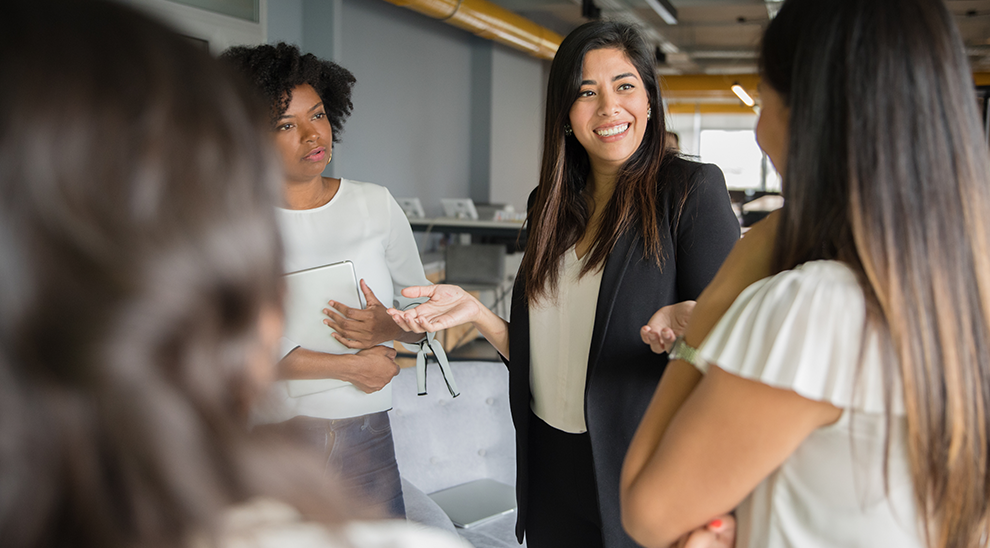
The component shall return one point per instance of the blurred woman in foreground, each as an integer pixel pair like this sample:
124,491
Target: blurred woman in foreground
845,400
139,302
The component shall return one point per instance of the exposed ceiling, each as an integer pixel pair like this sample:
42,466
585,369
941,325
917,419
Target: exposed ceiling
721,36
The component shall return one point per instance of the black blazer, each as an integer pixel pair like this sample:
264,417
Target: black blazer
622,371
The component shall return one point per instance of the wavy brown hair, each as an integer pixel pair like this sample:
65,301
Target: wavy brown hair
562,210
138,248
888,171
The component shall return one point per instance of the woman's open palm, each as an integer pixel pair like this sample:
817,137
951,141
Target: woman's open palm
449,306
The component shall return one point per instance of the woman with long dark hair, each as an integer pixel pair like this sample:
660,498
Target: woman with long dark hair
844,400
140,265
619,227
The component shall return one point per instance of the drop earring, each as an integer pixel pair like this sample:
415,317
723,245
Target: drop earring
649,112
567,130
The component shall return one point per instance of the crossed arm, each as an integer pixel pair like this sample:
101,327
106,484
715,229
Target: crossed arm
707,441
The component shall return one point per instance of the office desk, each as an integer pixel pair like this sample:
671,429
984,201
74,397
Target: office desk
508,232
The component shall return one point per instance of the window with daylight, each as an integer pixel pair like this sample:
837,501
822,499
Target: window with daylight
736,153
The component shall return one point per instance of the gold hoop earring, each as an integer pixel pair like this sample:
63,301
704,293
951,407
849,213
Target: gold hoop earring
329,156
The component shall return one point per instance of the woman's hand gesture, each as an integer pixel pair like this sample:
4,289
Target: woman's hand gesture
361,328
667,324
449,306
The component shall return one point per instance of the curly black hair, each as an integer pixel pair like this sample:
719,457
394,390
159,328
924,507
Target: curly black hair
275,70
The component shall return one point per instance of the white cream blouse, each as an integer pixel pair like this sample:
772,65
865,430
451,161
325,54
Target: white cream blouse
560,341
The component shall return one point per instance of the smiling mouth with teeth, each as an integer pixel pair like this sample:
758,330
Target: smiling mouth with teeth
614,130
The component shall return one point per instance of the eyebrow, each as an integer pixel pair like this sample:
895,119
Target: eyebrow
614,78
314,107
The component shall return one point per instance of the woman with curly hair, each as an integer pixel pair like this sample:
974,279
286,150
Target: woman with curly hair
325,220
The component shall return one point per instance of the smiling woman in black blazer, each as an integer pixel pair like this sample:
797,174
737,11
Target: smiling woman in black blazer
619,228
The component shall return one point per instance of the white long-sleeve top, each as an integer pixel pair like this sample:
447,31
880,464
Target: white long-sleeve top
362,223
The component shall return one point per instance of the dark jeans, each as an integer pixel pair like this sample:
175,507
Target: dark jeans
359,452
563,497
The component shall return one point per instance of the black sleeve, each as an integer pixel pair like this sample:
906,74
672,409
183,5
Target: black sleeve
706,231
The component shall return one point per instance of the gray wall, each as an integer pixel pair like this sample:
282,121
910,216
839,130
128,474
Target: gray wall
438,112
285,19
518,98
411,126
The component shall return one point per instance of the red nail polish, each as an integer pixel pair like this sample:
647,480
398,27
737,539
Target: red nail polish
715,523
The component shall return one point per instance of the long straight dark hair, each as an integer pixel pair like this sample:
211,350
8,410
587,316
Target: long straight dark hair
138,249
887,171
562,210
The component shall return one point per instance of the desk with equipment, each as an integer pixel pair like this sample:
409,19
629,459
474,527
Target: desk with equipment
511,233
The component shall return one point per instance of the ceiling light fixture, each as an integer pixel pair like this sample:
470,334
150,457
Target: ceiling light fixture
665,10
742,95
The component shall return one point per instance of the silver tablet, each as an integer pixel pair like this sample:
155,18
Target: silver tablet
306,295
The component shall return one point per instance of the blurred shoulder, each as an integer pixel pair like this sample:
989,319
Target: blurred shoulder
267,523
401,534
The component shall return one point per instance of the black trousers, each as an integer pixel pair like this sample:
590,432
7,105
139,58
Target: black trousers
563,497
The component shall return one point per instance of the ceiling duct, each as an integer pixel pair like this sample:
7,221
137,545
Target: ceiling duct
490,21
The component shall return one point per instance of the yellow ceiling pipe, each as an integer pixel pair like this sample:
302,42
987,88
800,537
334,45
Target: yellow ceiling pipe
684,88
490,21
709,108
708,82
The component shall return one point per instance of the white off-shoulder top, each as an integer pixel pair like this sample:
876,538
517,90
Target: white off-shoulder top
803,330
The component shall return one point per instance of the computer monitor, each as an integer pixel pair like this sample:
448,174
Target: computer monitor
412,207
459,208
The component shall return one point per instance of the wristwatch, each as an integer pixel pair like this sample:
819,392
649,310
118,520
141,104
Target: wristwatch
683,351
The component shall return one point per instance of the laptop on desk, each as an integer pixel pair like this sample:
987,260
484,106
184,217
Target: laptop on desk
459,208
